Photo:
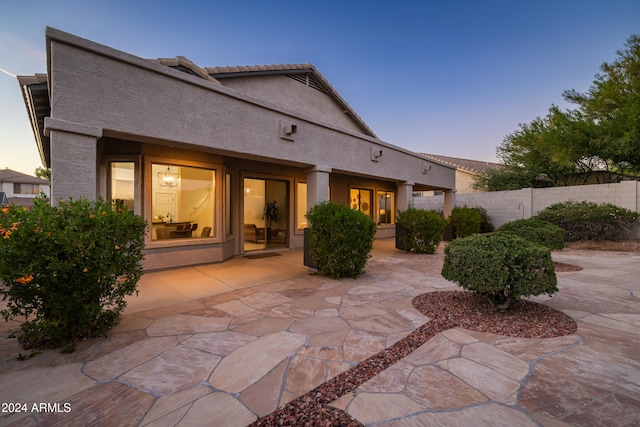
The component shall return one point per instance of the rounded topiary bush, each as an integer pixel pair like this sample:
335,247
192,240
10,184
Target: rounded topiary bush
501,266
423,230
340,239
537,231
590,221
67,268
465,221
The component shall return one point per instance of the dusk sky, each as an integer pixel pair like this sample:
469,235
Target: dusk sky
443,77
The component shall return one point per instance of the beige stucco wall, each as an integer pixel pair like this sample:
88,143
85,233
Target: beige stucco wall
505,206
294,96
133,97
106,104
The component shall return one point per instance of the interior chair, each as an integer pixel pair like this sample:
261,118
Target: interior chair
206,231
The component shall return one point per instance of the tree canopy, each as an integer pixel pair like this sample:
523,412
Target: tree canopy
598,140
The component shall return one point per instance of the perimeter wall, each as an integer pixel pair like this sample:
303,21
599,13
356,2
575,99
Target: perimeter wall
505,206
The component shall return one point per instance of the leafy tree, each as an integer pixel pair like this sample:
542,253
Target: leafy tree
44,173
566,147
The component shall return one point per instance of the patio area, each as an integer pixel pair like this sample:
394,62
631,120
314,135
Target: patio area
224,344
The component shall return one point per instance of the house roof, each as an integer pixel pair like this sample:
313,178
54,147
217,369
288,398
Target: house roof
473,166
35,91
8,175
306,73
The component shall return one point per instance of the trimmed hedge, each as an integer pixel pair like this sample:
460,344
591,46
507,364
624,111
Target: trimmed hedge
67,268
424,230
340,239
590,221
502,266
536,231
465,221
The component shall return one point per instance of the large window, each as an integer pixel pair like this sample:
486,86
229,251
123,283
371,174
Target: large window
25,188
183,202
122,183
386,207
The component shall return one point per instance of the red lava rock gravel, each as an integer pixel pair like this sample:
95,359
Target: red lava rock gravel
525,319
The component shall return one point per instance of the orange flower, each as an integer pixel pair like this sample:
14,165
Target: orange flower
26,208
122,279
117,248
5,210
14,226
84,270
7,234
37,229
25,279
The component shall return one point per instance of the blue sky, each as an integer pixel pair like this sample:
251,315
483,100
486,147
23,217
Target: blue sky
445,77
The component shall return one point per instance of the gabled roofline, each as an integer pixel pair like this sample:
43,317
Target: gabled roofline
468,165
216,73
35,92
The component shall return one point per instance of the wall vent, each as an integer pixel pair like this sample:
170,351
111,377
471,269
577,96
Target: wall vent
308,79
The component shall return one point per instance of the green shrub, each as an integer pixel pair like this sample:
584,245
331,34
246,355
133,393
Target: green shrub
340,239
485,220
537,231
590,221
465,221
67,268
502,266
423,230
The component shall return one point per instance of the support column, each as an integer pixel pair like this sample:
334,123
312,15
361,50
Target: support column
405,195
73,159
317,185
449,202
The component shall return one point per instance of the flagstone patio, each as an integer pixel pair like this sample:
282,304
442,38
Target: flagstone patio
227,343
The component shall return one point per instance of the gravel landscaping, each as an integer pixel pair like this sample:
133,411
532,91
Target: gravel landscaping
526,319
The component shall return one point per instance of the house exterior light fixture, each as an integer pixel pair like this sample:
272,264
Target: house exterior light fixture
168,178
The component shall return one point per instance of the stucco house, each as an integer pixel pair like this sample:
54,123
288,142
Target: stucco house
466,171
202,152
20,189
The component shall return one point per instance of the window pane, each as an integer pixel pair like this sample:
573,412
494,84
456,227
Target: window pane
362,200
183,202
227,208
386,207
25,188
122,183
301,205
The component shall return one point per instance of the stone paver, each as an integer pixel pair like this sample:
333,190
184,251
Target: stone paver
258,333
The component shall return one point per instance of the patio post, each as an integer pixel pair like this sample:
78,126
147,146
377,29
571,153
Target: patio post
73,159
449,202
317,185
405,190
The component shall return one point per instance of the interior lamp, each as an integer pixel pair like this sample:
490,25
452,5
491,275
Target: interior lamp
168,178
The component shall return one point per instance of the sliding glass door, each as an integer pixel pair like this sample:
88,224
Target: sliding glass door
265,213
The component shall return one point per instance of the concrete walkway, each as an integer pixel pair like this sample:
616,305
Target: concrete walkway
224,344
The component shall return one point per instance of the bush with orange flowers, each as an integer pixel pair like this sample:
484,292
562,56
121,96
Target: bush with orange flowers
66,269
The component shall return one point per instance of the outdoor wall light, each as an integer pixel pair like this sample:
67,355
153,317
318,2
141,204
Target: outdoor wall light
376,153
168,178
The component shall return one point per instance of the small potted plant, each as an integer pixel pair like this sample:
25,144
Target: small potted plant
272,215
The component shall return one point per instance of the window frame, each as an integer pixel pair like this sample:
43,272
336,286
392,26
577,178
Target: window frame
218,233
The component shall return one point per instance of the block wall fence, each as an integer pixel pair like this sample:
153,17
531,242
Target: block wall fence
505,206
